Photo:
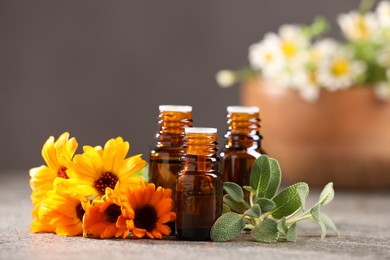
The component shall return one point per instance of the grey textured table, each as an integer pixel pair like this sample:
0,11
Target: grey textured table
363,219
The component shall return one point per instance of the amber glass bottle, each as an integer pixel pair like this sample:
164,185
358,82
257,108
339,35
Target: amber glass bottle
199,185
243,143
164,161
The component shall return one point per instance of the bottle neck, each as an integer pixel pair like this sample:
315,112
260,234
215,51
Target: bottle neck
201,152
243,131
171,128
243,141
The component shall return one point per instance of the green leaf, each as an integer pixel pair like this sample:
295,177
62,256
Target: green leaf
292,233
234,191
288,200
248,188
227,227
143,173
315,213
260,175
303,192
225,209
329,223
282,227
266,231
320,26
254,212
239,207
265,204
327,194
275,179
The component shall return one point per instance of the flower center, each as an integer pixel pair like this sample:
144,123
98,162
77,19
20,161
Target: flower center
113,212
289,49
145,217
340,67
268,57
62,173
80,211
362,26
107,179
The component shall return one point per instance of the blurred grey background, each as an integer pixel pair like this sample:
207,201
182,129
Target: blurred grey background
99,69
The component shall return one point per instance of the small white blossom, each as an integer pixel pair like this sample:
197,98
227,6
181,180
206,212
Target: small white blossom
339,70
357,26
225,78
383,13
265,55
292,42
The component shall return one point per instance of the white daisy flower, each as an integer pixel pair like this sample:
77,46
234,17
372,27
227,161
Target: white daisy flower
339,70
265,55
292,42
383,13
357,26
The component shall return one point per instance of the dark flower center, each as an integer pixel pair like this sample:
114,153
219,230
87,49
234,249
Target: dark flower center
145,217
107,179
113,212
62,173
80,211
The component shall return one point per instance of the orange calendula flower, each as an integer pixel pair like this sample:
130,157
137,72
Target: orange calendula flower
57,155
62,211
97,169
104,219
148,210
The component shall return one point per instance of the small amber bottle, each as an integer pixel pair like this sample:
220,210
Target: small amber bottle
243,143
164,163
199,185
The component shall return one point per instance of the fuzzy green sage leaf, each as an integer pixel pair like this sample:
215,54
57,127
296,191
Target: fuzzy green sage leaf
329,223
288,200
315,213
227,227
225,209
234,191
327,194
291,234
303,192
275,179
254,212
266,231
239,207
260,175
265,204
282,227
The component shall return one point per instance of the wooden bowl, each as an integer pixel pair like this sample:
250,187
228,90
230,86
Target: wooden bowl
344,137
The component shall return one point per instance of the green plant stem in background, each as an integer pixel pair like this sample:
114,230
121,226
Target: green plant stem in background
269,214
366,5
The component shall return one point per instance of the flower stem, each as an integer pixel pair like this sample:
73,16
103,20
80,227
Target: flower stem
299,218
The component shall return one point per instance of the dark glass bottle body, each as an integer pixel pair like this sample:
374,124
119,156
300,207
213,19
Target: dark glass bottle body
199,187
243,144
164,163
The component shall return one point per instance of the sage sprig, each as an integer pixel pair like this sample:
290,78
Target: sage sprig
268,214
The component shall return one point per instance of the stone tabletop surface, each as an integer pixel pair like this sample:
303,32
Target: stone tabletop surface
363,219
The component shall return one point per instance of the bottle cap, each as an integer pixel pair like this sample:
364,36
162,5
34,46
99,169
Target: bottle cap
242,109
174,108
201,130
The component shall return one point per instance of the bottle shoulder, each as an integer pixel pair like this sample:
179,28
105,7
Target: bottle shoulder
241,153
166,153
